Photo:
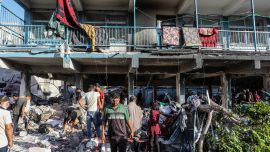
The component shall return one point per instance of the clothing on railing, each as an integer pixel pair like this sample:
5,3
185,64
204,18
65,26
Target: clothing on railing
66,14
91,32
55,28
208,37
171,35
191,37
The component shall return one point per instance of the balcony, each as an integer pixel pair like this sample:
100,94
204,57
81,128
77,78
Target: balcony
118,39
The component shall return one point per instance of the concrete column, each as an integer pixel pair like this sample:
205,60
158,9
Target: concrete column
266,82
25,86
65,90
225,90
130,84
180,88
79,81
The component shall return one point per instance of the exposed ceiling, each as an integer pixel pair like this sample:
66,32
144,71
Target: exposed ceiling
220,7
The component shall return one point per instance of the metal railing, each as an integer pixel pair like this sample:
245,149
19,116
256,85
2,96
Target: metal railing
8,17
243,40
27,36
119,38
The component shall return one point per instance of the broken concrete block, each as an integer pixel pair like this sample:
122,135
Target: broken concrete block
23,133
38,149
45,143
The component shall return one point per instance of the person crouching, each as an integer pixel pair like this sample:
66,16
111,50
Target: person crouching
73,117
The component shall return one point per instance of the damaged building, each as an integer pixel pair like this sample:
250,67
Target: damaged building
145,47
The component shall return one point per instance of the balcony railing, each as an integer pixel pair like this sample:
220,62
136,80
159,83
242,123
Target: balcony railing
115,38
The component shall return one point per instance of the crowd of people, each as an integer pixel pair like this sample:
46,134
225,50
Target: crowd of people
247,96
115,123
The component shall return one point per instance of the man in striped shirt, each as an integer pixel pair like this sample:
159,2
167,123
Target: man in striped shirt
118,119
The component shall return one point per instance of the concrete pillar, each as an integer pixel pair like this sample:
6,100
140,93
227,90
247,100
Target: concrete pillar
180,88
225,90
79,81
130,84
65,90
266,82
25,86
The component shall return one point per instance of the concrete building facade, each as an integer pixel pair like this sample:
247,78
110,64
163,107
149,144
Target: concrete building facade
129,38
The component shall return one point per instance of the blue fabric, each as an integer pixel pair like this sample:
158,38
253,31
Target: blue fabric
92,117
4,149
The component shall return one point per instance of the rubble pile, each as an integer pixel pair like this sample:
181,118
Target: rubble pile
46,132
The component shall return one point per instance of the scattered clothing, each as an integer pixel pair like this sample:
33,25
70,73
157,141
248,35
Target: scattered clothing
208,37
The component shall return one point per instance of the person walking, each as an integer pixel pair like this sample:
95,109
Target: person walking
118,119
92,99
6,128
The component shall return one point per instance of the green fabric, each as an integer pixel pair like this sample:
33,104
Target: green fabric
56,27
120,109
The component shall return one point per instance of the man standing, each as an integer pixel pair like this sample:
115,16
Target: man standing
22,109
13,101
91,104
6,128
118,118
79,94
101,97
136,113
25,111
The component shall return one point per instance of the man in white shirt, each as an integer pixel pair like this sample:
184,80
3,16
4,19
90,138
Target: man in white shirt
6,128
25,110
92,99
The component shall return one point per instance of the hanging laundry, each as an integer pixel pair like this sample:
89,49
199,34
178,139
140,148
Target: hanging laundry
191,37
66,14
56,29
171,35
209,37
91,33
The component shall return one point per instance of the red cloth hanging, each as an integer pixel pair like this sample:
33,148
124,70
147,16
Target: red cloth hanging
66,14
208,37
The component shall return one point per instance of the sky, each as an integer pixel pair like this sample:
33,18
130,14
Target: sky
14,7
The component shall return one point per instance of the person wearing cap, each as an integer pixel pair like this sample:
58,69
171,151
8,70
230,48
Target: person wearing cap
118,119
22,109
6,128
